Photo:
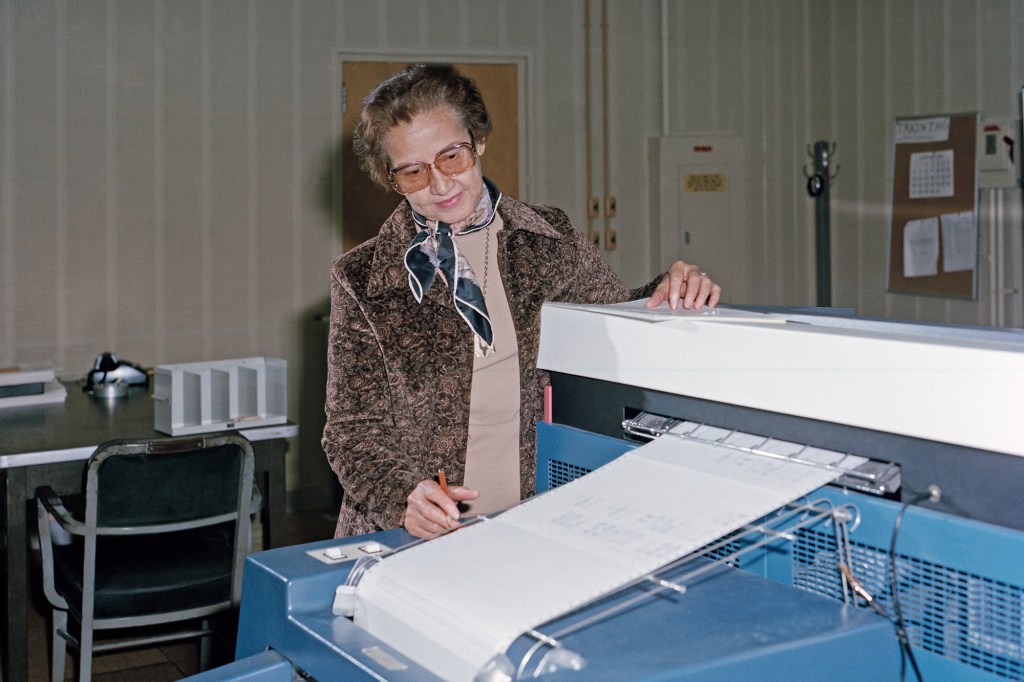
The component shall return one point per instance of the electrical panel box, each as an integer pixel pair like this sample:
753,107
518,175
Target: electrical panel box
999,153
698,212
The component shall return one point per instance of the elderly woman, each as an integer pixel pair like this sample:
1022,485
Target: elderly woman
433,373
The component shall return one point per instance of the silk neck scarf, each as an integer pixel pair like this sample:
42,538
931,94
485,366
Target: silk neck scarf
434,249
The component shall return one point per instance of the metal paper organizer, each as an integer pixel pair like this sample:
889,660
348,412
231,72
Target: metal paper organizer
218,395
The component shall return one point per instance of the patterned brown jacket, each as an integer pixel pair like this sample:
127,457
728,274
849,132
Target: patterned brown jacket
399,372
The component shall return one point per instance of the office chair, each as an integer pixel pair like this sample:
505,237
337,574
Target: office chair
160,537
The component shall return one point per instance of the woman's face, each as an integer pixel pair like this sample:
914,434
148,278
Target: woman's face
447,199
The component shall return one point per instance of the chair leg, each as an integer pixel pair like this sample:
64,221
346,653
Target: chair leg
59,645
206,646
85,652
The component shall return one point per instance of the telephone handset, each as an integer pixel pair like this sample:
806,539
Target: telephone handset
109,369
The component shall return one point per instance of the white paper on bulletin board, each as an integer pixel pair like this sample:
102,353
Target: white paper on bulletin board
921,248
959,241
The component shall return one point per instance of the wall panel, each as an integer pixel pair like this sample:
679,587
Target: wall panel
866,167
88,176
180,298
7,150
130,137
227,182
34,167
845,66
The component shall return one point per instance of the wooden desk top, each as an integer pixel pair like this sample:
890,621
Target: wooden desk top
70,430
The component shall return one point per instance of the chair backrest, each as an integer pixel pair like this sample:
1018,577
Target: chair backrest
140,487
151,483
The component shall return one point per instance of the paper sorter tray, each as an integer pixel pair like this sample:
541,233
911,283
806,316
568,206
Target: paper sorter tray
219,395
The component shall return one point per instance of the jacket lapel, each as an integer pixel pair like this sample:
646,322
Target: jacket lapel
388,276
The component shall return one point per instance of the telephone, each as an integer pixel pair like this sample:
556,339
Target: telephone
109,369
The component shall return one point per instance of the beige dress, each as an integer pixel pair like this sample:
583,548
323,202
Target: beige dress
492,453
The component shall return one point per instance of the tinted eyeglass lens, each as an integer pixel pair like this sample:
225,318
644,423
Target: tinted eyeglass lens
416,176
454,161
412,178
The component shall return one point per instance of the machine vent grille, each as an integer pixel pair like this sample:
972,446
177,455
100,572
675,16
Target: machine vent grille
726,554
560,473
960,616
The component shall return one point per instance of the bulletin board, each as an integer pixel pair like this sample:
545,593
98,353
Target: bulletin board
933,233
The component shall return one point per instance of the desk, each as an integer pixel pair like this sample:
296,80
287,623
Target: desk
48,444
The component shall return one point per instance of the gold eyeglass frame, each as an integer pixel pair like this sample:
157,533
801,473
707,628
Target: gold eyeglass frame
471,146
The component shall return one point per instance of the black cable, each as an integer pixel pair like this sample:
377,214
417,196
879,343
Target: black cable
899,623
906,653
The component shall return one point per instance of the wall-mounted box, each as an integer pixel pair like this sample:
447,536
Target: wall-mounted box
219,395
999,162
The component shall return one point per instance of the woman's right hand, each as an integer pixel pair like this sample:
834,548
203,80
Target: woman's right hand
428,510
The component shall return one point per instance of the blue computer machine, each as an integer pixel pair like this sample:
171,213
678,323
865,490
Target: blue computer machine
909,565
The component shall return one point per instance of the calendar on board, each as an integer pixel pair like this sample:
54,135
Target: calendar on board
931,174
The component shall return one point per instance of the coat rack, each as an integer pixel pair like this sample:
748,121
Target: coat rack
817,186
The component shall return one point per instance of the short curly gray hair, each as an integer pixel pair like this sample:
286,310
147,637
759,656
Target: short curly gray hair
400,97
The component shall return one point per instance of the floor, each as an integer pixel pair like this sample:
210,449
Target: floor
157,663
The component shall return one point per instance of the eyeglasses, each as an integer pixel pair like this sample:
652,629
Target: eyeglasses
412,177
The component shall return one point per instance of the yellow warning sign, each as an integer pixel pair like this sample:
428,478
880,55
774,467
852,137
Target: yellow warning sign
704,182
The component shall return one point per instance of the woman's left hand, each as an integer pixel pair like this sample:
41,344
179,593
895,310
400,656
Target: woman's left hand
686,284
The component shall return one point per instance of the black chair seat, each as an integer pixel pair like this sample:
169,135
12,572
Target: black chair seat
145,574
